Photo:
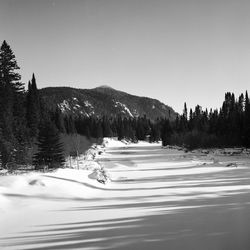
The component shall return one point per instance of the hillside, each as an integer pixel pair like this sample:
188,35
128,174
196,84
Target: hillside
104,100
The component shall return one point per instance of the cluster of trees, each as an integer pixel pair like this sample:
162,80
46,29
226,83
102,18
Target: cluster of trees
24,118
124,128
133,129
229,126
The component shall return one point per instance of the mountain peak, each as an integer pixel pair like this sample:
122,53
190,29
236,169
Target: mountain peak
104,87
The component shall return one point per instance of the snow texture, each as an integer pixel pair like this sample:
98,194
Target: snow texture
158,198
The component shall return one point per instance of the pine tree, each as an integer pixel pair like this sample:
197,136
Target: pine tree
99,130
155,132
120,128
247,121
12,118
141,129
59,121
166,132
107,132
33,112
185,113
69,124
50,149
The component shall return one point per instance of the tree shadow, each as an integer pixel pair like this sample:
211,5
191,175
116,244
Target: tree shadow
192,213
196,224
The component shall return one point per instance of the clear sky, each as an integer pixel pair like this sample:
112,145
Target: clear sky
171,50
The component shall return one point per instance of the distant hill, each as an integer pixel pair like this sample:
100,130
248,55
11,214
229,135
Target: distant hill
104,100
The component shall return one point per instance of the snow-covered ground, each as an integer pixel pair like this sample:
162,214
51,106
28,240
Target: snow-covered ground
157,199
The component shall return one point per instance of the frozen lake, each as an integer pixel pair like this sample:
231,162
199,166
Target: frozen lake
158,199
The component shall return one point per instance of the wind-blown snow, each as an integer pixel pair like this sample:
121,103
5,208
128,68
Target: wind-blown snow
157,199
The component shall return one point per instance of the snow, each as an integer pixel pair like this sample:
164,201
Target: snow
88,104
158,198
125,108
64,106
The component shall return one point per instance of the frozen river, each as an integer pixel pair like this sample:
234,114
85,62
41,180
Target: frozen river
158,199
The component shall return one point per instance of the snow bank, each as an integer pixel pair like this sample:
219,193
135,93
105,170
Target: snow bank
82,177
94,151
88,161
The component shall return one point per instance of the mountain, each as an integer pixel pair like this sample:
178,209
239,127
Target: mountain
104,100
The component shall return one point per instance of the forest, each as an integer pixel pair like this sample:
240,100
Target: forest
31,133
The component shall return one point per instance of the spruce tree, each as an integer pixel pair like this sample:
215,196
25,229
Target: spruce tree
247,121
185,114
33,107
166,132
120,128
59,120
12,118
99,130
107,132
50,149
69,124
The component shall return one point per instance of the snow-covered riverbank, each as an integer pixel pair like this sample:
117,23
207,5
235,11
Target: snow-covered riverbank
157,199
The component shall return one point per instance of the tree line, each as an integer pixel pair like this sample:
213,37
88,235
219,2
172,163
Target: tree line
227,127
26,122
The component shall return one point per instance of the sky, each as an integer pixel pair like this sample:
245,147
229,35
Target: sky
175,51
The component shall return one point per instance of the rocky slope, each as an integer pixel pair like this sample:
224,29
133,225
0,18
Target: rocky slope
104,100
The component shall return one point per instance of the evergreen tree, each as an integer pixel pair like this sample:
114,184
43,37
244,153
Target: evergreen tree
8,67
120,128
50,149
70,124
155,135
12,118
247,121
141,129
87,132
107,132
59,121
185,113
33,112
166,132
99,130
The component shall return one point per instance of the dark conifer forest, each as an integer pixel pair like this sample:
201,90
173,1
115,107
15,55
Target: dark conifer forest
30,130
